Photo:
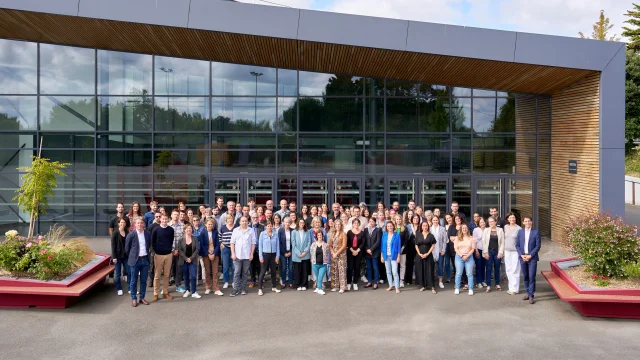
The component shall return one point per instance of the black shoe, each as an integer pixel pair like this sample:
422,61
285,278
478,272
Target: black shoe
233,294
531,301
526,297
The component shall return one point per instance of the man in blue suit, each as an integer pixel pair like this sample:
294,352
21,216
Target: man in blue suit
137,244
528,246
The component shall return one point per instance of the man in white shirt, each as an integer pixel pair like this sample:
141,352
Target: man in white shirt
243,243
137,245
356,215
528,245
284,211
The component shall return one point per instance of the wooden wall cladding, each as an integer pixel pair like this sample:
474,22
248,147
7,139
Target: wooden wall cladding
575,135
285,53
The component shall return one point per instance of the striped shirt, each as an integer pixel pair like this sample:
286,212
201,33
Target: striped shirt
178,233
225,235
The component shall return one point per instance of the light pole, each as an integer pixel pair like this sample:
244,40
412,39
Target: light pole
166,77
255,111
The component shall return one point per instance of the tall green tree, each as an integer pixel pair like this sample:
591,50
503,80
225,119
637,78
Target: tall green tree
632,97
601,29
632,32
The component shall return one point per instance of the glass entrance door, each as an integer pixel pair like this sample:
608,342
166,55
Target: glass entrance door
260,190
240,189
401,190
347,192
229,189
489,194
434,193
314,192
506,195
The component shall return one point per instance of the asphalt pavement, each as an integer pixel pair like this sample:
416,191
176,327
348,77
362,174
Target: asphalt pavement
292,325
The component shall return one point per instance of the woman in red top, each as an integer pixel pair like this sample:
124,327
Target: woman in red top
355,241
134,212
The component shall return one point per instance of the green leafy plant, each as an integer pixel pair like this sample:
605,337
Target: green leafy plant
37,186
9,254
632,270
604,243
602,282
53,263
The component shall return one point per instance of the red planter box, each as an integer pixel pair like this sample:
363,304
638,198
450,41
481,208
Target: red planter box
24,293
593,302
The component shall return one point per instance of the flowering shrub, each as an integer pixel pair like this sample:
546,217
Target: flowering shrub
604,243
43,259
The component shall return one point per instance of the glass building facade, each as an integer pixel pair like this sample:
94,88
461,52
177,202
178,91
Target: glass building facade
137,127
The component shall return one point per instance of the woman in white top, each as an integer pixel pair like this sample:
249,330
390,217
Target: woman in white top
511,258
481,265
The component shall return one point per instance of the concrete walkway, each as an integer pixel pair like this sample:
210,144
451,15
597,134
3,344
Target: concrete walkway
355,325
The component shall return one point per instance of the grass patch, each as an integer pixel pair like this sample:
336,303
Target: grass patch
632,163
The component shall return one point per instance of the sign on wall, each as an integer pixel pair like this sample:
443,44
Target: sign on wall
573,166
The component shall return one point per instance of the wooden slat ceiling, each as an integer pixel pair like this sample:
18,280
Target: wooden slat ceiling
285,53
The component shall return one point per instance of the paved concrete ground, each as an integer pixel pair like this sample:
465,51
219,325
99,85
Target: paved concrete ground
632,214
364,324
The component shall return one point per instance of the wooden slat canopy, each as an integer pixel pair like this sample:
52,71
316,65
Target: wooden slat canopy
285,53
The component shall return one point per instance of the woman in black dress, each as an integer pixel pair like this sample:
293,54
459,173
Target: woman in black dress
425,244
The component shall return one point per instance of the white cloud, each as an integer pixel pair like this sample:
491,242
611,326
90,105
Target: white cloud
555,17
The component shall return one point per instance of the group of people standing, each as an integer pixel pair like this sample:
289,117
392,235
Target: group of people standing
326,246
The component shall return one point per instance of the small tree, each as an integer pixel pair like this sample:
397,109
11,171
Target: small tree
601,29
37,185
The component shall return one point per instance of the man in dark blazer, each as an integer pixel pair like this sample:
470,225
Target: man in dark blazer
255,263
137,245
372,237
528,246
286,263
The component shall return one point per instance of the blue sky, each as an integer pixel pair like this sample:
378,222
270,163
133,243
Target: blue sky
555,17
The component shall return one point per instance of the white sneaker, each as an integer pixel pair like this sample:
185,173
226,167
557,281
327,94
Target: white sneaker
355,287
124,277
276,290
341,291
456,291
221,276
348,287
186,294
161,292
334,290
129,292
470,292
260,293
401,284
304,288
196,295
207,292
120,292
299,289
364,279
479,286
316,290
321,292
226,285
219,293
441,285
381,281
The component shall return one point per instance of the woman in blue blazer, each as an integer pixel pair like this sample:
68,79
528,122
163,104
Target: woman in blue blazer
390,254
301,259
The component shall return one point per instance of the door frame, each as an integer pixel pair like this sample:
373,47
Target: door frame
420,197
242,178
332,190
504,179
302,178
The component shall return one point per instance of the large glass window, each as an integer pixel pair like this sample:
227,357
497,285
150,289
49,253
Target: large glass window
242,80
174,76
71,113
181,113
125,113
18,67
122,73
243,114
67,70
460,112
18,113
331,114
319,84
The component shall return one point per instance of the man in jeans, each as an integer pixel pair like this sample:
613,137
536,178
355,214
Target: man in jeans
178,234
243,244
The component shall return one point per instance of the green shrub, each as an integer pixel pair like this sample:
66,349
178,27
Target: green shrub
604,243
53,263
